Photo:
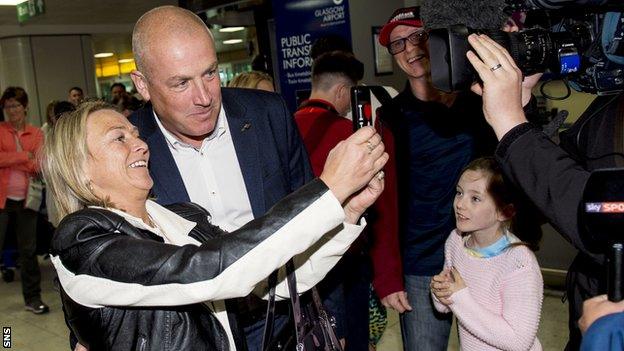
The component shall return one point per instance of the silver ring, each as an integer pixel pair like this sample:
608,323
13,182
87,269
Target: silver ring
496,67
370,146
381,175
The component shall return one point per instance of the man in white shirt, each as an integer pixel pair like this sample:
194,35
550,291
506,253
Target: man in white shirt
234,152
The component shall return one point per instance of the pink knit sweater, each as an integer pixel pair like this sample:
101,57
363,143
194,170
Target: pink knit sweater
501,305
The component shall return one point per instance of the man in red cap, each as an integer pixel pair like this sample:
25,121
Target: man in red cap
435,140
437,134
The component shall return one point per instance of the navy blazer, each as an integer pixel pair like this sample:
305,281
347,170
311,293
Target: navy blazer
272,157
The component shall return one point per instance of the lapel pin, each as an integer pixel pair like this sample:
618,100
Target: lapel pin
246,126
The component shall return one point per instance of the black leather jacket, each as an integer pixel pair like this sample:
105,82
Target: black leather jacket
96,250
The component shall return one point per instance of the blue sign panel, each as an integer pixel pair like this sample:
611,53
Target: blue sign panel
298,23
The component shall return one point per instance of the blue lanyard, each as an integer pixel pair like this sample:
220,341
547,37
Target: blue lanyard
491,251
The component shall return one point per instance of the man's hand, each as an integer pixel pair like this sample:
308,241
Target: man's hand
529,82
79,347
597,307
397,301
353,163
502,84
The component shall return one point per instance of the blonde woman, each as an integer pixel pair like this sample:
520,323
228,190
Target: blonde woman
253,80
135,275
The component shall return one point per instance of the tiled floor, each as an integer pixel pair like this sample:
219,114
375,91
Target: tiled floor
48,332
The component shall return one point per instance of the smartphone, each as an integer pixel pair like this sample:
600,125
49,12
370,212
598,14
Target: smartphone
361,107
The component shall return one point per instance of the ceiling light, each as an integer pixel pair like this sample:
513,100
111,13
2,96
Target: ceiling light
233,41
103,54
125,60
11,2
231,29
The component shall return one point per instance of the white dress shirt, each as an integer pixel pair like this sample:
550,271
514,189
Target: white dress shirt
212,175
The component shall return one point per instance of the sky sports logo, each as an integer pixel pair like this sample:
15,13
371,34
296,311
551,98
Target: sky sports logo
604,207
6,337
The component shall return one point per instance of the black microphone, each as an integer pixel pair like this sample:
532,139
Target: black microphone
477,14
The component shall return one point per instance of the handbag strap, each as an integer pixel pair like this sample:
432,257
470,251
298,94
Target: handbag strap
294,301
270,315
291,280
328,329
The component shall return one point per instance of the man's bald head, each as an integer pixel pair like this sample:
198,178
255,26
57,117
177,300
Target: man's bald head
163,25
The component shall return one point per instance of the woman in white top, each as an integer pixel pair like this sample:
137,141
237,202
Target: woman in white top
136,275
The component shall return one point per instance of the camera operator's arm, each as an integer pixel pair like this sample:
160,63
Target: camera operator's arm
551,179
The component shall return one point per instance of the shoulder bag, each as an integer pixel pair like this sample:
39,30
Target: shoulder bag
34,194
314,329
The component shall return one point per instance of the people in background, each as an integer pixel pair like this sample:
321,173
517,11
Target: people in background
253,80
20,143
50,117
127,104
117,90
75,95
62,107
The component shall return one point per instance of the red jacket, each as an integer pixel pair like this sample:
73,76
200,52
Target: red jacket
321,129
10,158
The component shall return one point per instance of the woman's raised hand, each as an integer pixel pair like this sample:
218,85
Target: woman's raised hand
353,163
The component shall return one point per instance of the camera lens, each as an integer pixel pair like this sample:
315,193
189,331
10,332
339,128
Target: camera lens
536,50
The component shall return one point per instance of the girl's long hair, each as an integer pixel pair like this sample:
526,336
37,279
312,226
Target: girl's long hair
510,202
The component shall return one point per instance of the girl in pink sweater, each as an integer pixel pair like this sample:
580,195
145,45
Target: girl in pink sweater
491,280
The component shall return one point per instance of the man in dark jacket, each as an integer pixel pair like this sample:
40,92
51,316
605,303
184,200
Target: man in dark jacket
234,152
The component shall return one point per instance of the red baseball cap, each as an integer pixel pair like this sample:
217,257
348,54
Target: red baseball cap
407,16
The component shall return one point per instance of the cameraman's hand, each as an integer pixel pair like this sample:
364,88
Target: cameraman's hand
502,84
529,82
353,163
597,307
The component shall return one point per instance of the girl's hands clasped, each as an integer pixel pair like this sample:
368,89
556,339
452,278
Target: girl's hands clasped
445,284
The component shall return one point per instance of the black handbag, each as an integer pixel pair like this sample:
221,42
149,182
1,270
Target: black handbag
314,328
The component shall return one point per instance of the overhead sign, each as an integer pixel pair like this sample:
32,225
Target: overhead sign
297,25
29,9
